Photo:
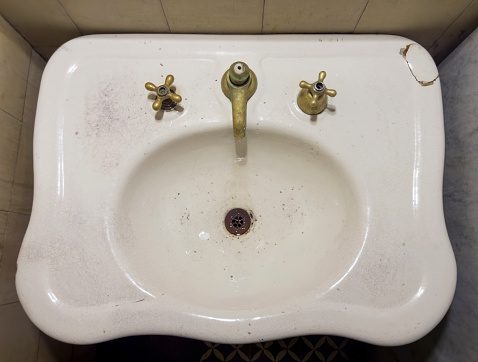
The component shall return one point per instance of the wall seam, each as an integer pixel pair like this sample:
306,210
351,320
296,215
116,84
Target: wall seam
11,115
15,169
20,135
38,344
9,303
69,17
2,242
26,88
451,23
9,23
263,12
19,213
360,17
165,17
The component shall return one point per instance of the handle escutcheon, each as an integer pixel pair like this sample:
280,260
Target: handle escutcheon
166,98
313,98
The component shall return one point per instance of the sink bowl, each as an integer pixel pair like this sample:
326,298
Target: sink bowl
128,233
172,207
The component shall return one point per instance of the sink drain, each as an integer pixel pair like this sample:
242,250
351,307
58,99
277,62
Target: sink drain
237,221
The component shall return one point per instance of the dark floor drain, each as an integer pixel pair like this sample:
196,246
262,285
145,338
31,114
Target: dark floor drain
237,221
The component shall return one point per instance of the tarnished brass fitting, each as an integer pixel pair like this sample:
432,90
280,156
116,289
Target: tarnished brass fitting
165,96
238,84
313,98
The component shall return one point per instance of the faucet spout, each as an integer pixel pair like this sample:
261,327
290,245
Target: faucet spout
238,84
239,112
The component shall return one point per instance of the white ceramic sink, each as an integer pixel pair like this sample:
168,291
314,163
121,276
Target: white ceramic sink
127,231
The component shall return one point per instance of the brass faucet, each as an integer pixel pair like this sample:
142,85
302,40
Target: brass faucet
238,84
313,98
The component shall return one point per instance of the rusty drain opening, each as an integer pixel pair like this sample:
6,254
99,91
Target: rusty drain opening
237,221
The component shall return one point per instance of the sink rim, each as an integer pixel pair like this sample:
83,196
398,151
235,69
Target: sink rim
33,278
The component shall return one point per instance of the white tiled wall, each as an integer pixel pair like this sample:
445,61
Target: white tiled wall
20,74
439,25
18,336
458,73
21,70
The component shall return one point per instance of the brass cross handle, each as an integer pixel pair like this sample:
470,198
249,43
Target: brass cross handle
166,98
312,98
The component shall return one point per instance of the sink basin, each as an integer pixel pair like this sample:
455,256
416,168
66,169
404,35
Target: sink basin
172,206
128,233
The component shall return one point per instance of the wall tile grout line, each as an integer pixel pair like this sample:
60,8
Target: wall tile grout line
69,17
9,303
263,11
18,213
2,242
451,23
43,57
165,17
15,169
19,136
18,32
363,12
26,88
38,346
11,115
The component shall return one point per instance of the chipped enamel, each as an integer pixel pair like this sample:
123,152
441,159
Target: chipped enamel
420,63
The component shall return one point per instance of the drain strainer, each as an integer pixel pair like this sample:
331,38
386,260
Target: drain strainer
237,221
